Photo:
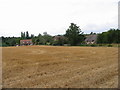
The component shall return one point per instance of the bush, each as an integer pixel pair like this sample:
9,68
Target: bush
100,45
93,45
118,45
109,45
84,45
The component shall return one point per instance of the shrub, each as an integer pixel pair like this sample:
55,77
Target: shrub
93,45
118,45
83,45
109,45
100,45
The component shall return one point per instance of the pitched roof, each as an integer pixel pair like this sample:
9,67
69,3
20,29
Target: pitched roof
90,38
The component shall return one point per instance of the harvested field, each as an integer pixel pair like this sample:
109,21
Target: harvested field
60,67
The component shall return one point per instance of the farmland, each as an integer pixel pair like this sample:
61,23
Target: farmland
60,67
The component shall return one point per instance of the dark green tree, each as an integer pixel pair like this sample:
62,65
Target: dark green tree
74,34
109,37
27,35
32,36
47,39
22,35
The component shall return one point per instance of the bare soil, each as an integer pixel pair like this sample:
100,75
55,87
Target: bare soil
60,67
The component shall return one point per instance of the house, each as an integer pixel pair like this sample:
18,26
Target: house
58,37
60,40
91,39
26,42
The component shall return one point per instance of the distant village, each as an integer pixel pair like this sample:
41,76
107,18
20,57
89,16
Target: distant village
73,37
89,39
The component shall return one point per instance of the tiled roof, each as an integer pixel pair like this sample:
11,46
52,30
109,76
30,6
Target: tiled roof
91,37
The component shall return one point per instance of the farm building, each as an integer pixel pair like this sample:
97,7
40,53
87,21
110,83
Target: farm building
58,37
26,42
91,39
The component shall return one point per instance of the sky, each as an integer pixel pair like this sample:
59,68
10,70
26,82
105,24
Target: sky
55,16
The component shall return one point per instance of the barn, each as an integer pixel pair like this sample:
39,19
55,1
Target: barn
26,42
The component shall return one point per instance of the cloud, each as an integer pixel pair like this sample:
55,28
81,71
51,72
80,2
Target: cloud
55,16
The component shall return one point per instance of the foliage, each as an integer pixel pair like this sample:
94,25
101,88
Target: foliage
74,34
10,41
43,40
109,37
109,45
60,40
25,35
94,45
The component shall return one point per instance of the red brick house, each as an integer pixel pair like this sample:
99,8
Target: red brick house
26,42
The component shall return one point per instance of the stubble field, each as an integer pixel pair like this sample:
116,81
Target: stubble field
60,67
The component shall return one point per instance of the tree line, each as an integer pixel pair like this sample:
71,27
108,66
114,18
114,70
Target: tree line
109,37
73,36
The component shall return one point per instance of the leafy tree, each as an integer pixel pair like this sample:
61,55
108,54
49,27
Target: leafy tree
47,39
42,40
45,33
39,35
74,34
59,40
91,33
109,37
23,35
32,36
27,35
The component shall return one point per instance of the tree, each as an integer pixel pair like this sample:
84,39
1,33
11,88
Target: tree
32,36
109,37
74,34
22,35
45,33
47,39
27,35
91,33
59,40
39,35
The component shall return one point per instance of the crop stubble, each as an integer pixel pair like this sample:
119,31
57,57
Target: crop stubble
60,67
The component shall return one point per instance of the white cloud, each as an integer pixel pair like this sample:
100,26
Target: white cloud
54,16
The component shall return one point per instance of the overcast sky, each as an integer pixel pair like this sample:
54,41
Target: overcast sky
55,16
